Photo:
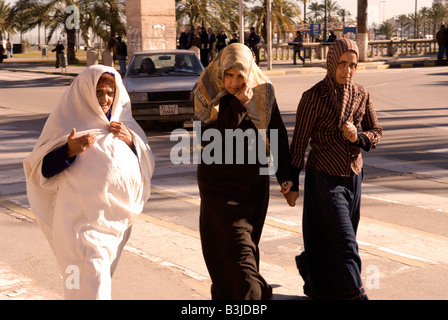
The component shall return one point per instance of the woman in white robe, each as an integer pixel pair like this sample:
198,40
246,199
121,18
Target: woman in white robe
87,209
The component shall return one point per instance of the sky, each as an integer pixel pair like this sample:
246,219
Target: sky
381,10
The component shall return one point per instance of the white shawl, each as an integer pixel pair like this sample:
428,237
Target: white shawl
107,183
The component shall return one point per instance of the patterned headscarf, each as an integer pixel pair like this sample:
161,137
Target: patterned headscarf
210,86
345,97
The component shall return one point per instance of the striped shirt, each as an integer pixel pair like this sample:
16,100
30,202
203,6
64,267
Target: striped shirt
317,124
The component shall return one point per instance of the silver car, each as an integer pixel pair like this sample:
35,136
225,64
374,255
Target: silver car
160,84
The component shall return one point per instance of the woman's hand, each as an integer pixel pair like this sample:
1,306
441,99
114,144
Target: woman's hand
350,131
244,95
120,131
290,196
77,145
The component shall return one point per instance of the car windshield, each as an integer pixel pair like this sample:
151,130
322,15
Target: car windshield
165,64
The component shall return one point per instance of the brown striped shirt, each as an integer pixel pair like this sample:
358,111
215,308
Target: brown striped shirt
317,124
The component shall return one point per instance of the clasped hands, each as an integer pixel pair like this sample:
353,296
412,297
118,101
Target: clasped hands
77,145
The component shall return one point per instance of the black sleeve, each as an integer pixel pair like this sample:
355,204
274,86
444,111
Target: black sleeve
362,142
230,111
54,162
282,158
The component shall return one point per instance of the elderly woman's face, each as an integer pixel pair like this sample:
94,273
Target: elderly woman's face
105,92
346,67
233,81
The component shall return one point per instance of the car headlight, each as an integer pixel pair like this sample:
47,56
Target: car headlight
138,97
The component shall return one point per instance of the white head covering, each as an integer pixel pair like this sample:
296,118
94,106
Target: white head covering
92,175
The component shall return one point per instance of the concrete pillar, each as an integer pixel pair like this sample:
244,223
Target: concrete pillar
92,57
107,58
151,24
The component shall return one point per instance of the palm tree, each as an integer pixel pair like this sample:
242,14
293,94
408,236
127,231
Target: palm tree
316,10
438,13
332,9
387,29
284,14
362,34
218,14
5,19
344,13
404,22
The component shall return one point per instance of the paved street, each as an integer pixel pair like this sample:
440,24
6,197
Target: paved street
403,234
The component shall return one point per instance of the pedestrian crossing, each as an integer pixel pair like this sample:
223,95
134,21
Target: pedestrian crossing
167,231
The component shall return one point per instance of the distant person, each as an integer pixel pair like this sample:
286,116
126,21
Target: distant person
254,42
442,38
298,45
148,66
185,39
221,40
112,46
212,43
122,53
9,48
59,49
195,42
234,38
332,36
205,47
2,52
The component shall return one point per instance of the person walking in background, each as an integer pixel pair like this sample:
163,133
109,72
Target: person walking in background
254,42
9,48
331,115
221,40
212,43
205,47
442,37
59,49
233,94
112,46
234,38
88,178
122,53
298,44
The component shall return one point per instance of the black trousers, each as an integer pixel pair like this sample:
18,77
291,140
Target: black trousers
234,202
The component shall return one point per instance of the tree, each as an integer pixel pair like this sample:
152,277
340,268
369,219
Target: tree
344,14
284,14
387,29
316,10
6,25
362,34
218,14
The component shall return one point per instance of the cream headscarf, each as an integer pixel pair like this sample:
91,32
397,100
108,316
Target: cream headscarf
210,86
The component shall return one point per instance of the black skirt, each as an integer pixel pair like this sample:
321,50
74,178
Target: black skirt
234,202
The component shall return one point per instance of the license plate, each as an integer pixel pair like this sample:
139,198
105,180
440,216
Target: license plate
168,109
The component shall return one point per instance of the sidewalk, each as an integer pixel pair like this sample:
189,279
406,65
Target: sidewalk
279,67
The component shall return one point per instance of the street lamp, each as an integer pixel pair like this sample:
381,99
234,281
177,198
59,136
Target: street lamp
325,22
415,21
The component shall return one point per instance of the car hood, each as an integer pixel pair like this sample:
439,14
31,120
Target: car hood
151,84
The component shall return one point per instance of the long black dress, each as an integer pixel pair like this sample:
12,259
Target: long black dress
234,202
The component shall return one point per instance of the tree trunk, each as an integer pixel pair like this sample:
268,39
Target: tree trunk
362,36
71,56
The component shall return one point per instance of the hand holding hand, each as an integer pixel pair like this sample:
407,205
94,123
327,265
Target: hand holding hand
291,197
77,145
350,131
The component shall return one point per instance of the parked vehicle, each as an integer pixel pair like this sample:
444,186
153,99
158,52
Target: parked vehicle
160,84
